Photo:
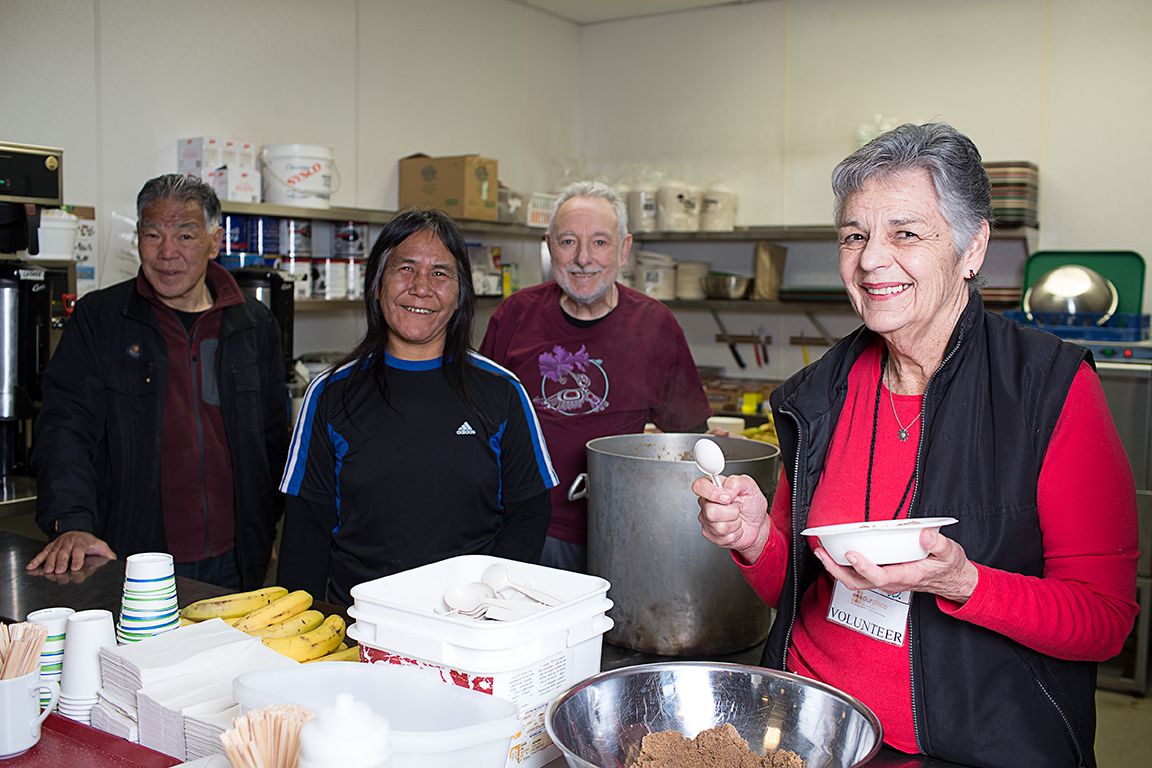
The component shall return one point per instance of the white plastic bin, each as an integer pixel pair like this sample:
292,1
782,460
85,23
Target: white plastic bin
432,725
528,662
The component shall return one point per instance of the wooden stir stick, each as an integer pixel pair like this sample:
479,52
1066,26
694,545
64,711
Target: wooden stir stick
20,646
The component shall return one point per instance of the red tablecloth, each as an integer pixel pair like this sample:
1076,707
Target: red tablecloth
66,743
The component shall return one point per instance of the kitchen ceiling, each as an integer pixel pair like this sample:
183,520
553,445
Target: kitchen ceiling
592,11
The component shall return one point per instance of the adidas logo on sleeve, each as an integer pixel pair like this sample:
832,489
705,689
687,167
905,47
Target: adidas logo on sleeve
465,429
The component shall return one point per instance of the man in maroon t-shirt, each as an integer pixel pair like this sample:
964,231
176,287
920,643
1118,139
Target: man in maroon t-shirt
598,358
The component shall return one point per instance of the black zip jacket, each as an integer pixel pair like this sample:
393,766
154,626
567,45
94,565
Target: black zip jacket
97,439
988,413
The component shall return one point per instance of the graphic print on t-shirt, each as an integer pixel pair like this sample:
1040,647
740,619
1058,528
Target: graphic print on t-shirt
572,384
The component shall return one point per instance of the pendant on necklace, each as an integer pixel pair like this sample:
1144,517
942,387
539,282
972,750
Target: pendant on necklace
903,435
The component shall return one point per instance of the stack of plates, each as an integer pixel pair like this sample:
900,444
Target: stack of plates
1015,191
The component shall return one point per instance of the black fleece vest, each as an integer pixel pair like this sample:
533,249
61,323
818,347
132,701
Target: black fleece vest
978,698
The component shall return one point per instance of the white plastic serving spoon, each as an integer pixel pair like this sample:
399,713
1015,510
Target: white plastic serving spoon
496,576
709,458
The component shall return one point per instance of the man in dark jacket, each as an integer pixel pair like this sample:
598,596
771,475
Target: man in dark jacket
164,422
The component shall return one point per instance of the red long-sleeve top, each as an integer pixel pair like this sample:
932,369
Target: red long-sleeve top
1081,608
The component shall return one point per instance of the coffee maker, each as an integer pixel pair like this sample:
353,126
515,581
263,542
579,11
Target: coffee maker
272,288
30,179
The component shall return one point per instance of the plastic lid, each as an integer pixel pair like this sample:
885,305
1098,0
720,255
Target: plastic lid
346,734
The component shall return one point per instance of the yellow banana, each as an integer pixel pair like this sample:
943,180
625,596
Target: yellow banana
310,645
296,625
348,654
185,622
228,606
278,610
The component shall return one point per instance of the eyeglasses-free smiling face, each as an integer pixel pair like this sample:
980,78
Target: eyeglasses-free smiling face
175,248
587,251
419,293
898,262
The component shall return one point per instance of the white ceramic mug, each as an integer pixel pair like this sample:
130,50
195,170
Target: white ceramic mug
20,713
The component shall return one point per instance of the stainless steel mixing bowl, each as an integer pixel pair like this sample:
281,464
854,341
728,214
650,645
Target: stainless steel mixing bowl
1073,289
718,286
600,722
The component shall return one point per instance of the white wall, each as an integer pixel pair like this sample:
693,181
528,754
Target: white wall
767,96
117,82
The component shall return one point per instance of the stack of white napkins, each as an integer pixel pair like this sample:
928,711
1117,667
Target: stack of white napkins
111,719
202,731
192,668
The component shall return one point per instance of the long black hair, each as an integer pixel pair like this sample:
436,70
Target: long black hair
368,355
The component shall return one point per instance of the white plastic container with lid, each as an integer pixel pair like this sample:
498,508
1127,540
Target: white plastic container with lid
298,174
345,734
431,725
529,661
656,275
718,209
678,207
642,209
57,235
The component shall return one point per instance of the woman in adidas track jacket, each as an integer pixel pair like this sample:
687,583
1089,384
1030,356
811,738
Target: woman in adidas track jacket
413,448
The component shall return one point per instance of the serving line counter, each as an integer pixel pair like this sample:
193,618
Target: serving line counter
100,585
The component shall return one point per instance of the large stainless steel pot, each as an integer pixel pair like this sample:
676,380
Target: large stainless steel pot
674,592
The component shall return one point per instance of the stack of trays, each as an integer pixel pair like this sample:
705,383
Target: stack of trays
1015,191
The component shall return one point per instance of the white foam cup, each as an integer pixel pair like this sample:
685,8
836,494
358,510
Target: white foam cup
20,712
88,632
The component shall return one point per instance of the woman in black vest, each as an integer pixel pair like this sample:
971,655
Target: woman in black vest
983,653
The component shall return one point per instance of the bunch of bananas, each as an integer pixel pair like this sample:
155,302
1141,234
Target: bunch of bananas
284,621
765,432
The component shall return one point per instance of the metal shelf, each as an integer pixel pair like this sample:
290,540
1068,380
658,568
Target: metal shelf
812,233
370,216
804,233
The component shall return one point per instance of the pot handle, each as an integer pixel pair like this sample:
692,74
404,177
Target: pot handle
579,487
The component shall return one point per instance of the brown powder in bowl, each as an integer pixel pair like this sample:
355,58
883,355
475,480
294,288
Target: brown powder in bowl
719,747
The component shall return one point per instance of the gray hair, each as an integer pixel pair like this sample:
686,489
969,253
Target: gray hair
182,189
592,189
951,160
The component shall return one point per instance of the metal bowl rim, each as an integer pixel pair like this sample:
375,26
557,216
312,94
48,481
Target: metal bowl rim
848,698
775,453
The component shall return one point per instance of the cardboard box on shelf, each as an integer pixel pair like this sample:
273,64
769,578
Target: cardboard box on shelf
464,186
235,185
198,156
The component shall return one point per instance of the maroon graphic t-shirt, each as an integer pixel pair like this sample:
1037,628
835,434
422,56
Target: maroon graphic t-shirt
610,378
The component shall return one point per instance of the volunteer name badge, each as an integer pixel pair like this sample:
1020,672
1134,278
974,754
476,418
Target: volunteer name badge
879,615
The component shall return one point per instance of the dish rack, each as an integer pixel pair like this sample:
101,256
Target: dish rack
1120,327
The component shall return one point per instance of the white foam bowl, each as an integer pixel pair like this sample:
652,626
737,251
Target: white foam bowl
884,542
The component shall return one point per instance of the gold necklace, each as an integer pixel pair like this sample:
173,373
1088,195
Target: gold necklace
903,432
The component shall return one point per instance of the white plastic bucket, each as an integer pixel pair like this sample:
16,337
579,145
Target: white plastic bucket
57,236
298,174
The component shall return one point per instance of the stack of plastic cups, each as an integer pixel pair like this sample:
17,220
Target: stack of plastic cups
55,620
87,633
149,606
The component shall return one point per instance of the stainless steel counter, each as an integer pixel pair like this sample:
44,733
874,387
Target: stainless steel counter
17,495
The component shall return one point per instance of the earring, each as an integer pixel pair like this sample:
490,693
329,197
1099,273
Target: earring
971,274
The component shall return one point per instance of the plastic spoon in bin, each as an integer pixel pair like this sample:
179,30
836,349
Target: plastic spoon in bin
473,600
496,576
709,459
